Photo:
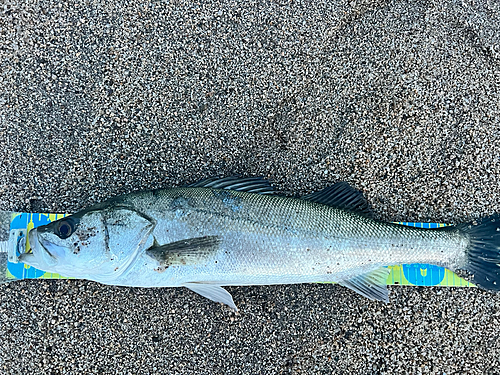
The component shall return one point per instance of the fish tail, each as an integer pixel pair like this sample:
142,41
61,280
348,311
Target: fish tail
483,251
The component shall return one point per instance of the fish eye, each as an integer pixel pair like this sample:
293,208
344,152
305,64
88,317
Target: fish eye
64,229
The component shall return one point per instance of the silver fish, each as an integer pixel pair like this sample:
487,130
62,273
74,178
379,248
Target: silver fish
235,231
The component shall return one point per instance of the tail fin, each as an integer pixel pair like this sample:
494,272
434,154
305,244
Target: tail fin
483,252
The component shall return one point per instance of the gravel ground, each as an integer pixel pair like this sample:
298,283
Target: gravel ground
399,98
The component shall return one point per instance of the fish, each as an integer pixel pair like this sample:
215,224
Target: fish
236,231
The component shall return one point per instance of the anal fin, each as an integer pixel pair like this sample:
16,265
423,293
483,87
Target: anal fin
372,285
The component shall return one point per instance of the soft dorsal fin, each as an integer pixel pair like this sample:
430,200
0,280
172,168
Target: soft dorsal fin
185,252
249,184
341,195
372,285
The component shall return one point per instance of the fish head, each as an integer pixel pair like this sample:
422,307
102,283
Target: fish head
90,244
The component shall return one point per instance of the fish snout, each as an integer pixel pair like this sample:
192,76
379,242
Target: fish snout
43,249
34,242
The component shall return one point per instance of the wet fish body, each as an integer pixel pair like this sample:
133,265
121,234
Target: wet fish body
237,232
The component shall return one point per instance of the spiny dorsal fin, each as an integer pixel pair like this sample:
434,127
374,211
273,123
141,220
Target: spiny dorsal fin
372,285
249,184
188,251
341,195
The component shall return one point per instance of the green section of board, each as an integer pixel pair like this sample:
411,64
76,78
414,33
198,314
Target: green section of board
397,277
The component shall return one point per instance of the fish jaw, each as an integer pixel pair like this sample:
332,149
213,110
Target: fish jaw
40,257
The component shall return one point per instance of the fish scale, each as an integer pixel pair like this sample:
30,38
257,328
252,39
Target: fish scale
236,232
284,240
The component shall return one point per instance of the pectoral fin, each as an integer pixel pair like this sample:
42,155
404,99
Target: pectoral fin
188,251
213,292
372,285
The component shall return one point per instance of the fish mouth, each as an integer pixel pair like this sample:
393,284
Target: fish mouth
37,254
47,250
36,244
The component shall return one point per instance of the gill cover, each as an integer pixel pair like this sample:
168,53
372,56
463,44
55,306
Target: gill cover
128,232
